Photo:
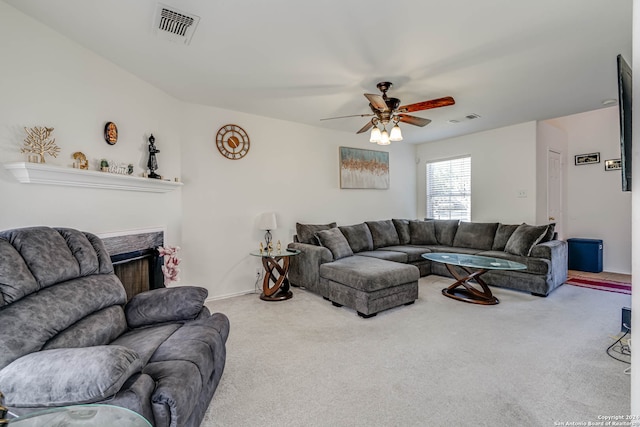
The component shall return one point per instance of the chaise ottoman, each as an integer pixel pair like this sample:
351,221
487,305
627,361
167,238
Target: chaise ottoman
369,285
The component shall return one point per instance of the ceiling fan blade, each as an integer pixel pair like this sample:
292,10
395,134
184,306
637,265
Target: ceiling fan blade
413,120
366,127
377,101
344,117
427,105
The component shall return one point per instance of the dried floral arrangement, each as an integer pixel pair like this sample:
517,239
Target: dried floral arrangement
38,142
171,261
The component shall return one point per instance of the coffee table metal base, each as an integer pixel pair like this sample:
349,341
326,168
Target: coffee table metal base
463,290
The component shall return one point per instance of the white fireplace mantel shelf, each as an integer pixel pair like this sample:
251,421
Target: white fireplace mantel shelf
38,173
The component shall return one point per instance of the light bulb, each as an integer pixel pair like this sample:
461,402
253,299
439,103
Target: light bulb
375,135
384,138
396,134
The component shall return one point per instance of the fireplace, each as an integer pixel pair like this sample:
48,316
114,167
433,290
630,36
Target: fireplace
135,259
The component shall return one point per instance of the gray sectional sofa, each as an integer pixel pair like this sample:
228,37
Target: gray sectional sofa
376,265
68,335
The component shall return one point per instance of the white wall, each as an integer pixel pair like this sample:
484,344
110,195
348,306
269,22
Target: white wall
597,208
291,170
502,164
48,80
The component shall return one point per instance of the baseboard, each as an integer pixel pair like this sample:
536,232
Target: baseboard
235,294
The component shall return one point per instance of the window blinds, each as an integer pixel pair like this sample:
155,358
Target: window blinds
449,189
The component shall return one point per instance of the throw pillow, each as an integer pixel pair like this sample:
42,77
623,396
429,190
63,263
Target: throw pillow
422,233
68,376
307,232
551,229
524,239
502,236
358,236
402,227
384,233
334,240
477,235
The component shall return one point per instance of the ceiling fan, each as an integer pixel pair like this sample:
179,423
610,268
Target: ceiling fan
387,110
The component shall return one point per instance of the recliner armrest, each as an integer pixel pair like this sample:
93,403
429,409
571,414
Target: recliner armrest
165,305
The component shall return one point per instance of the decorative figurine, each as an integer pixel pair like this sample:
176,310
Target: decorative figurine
152,164
261,247
81,160
279,247
104,165
36,142
111,133
270,247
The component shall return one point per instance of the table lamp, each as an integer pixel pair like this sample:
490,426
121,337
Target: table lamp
267,221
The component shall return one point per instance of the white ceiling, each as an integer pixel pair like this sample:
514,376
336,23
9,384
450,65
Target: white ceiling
508,61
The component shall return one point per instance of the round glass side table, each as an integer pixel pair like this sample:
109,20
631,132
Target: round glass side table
275,285
82,416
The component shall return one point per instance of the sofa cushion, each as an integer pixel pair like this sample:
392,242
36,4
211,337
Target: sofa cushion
534,265
414,253
402,227
384,233
165,305
358,236
334,240
422,233
68,376
307,232
446,230
503,233
369,274
385,254
524,238
475,235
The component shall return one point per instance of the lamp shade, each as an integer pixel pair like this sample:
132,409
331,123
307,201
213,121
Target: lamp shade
384,138
396,134
375,135
267,221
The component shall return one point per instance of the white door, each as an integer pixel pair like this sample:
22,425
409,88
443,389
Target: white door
554,190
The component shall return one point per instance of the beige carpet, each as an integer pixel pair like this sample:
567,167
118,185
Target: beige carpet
528,361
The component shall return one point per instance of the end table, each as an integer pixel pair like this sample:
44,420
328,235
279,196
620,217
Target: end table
276,267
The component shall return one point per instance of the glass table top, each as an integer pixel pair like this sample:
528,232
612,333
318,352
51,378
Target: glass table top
475,261
276,253
82,416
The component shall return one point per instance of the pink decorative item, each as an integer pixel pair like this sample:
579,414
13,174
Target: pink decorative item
171,261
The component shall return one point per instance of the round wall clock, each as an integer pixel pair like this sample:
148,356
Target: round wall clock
232,142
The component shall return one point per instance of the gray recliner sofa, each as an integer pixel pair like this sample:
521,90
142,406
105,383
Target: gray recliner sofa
345,262
68,336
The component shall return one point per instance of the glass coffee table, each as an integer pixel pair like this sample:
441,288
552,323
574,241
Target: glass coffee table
82,416
475,266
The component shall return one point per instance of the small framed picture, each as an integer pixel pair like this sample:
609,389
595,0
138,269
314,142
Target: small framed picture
110,133
586,159
612,165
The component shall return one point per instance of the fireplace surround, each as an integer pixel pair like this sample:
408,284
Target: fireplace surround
135,258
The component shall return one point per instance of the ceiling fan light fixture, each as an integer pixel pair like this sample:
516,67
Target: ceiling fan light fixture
384,138
396,134
375,135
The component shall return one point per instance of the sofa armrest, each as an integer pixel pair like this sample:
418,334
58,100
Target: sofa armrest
68,376
556,251
165,305
304,269
550,250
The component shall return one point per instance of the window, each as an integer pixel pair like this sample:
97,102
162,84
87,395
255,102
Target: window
449,189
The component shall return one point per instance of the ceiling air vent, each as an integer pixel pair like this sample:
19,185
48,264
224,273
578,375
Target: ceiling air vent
174,25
